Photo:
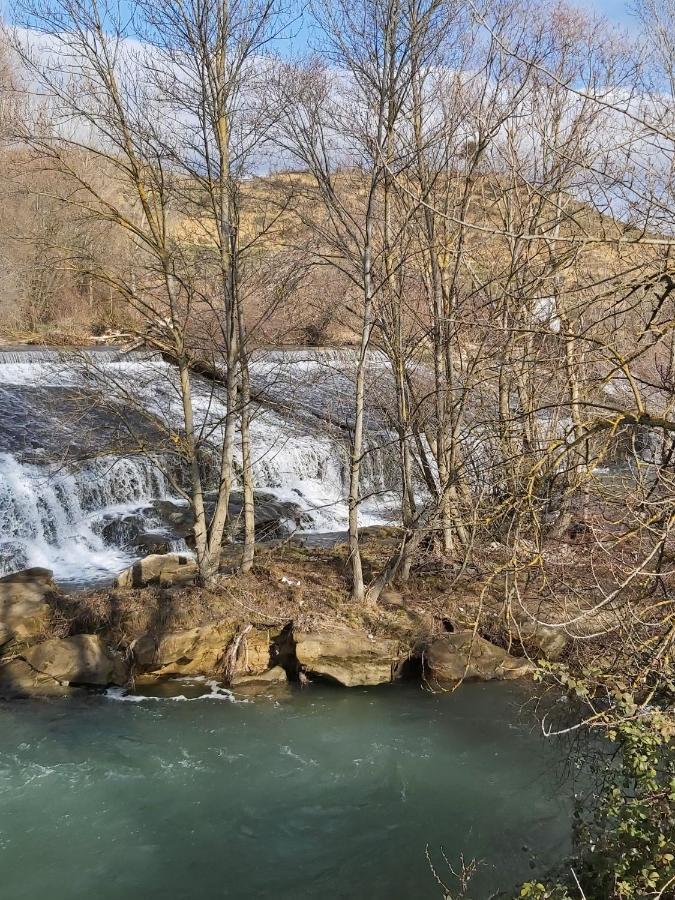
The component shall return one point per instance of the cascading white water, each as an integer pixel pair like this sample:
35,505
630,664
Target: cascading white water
57,518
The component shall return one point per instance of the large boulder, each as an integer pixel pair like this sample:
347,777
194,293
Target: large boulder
38,578
347,656
18,680
542,640
273,517
463,654
24,612
200,651
82,659
273,683
167,569
177,517
153,542
122,530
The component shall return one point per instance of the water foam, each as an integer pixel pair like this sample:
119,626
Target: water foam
52,518
215,692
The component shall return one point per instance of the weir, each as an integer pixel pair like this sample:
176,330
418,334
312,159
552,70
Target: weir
60,496
58,518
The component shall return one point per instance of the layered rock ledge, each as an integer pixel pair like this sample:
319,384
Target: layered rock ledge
289,620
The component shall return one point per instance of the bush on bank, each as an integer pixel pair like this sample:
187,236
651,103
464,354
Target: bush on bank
624,841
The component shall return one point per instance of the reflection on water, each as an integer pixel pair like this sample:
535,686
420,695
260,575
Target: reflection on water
324,794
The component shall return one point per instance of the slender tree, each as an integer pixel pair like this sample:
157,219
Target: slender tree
174,124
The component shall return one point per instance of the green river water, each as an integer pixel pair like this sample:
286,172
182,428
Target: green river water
326,794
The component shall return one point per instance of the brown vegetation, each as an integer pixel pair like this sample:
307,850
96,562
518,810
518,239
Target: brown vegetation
493,222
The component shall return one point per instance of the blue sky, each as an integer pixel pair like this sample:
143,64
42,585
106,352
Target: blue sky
615,10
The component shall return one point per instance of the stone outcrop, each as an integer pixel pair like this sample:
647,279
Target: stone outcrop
50,669
347,656
275,675
273,682
164,569
452,657
273,517
199,651
542,640
263,658
24,612
82,659
19,680
255,657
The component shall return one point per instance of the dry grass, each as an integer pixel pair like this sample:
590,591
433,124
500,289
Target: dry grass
310,587
75,336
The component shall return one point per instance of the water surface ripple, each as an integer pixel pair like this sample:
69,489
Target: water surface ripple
329,794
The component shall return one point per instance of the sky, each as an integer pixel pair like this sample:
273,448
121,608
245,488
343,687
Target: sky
615,10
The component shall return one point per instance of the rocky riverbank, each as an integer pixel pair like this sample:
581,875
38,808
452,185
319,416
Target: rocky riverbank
290,620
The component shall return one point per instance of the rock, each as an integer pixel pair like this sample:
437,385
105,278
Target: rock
378,533
542,640
158,568
199,651
178,516
464,655
35,575
276,518
272,683
121,531
153,542
183,652
23,621
349,657
275,675
256,658
24,613
82,659
18,679
273,517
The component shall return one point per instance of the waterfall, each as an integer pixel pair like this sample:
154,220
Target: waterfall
57,518
29,356
76,520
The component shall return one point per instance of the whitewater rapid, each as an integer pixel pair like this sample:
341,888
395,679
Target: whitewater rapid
64,480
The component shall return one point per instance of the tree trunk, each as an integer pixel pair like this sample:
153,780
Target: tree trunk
358,589
248,552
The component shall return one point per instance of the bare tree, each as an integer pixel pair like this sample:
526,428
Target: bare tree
174,126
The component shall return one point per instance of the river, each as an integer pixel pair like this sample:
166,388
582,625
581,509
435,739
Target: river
327,794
